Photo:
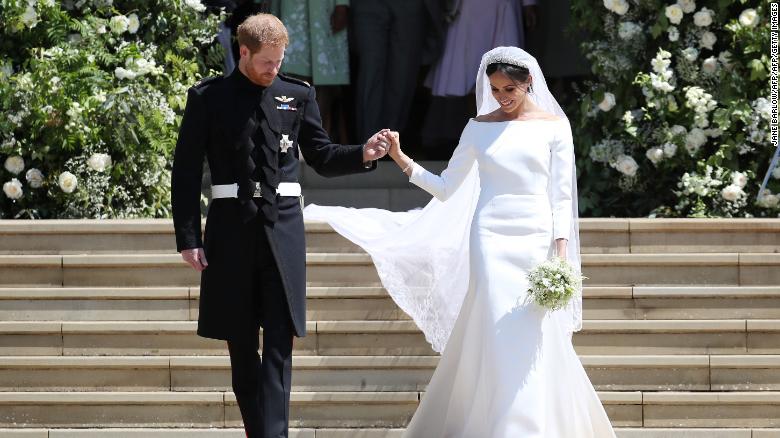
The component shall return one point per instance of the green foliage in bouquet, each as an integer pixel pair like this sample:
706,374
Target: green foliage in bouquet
676,120
553,283
91,97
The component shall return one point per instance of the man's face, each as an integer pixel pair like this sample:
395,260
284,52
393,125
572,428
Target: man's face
263,65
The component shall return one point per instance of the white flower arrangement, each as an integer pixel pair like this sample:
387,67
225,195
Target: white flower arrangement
687,6
34,178
13,189
703,18
655,155
67,182
14,164
99,162
748,18
619,7
626,165
674,13
607,103
553,283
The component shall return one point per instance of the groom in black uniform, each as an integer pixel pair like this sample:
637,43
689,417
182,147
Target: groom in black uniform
250,126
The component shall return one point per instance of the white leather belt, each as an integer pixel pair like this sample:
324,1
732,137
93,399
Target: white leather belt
231,190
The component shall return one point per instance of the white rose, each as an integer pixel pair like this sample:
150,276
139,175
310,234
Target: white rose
626,165
703,18
739,179
13,189
674,33
710,65
655,155
133,23
690,54
35,178
748,18
608,102
674,13
14,164
687,6
776,172
68,182
731,192
99,162
119,24
195,4
708,40
669,149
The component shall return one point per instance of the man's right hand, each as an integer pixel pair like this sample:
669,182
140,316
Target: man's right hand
196,258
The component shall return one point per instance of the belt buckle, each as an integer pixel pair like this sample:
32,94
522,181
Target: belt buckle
258,193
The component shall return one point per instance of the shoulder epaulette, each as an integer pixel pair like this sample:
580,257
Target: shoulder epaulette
206,81
294,80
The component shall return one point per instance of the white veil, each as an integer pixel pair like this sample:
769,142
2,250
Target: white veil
422,256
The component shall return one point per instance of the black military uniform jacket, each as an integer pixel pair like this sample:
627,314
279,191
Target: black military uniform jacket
225,119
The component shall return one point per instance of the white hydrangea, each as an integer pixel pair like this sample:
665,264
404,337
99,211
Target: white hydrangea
674,33
14,164
133,23
34,177
13,189
607,103
119,24
606,151
708,40
99,162
628,29
695,140
669,149
703,18
690,54
674,13
195,4
626,165
67,182
732,192
655,155
739,179
748,18
687,6
710,65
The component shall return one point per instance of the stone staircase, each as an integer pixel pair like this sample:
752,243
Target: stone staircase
97,334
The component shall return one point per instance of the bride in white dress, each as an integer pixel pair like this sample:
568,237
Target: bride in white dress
505,203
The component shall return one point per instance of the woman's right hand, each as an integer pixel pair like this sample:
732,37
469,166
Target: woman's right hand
395,145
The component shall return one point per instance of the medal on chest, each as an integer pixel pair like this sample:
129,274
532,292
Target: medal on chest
285,143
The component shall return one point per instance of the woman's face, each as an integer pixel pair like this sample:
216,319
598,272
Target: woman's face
509,94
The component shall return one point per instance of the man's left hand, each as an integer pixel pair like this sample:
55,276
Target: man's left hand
377,146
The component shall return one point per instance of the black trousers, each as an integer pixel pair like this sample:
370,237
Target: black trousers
262,385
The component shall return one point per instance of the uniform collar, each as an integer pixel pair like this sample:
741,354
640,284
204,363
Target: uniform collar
244,82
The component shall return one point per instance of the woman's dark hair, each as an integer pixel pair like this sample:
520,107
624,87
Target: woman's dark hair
516,73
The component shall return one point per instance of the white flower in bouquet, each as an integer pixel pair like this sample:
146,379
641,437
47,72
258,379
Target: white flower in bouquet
687,6
662,61
690,54
674,13
703,18
119,24
710,65
669,149
763,108
123,73
674,33
99,162
626,165
739,179
628,29
713,132
694,140
607,103
671,103
34,177
678,130
553,283
606,151
13,189
133,23
67,182
14,164
732,192
748,18
655,155
661,82
30,16
708,40
726,58
768,200
101,29
195,4
776,173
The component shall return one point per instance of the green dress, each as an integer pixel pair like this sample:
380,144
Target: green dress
314,51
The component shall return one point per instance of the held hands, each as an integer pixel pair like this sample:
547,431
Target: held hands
377,146
196,258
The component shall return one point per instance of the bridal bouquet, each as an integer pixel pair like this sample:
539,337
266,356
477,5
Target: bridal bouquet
553,283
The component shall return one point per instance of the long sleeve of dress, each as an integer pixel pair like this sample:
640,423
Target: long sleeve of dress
562,177
444,185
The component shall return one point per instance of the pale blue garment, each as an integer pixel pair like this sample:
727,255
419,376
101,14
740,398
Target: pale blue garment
314,50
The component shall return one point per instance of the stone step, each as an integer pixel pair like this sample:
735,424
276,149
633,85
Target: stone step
372,373
361,409
597,235
338,269
362,338
621,432
373,303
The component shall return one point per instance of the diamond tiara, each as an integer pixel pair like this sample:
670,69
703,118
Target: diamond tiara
493,59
